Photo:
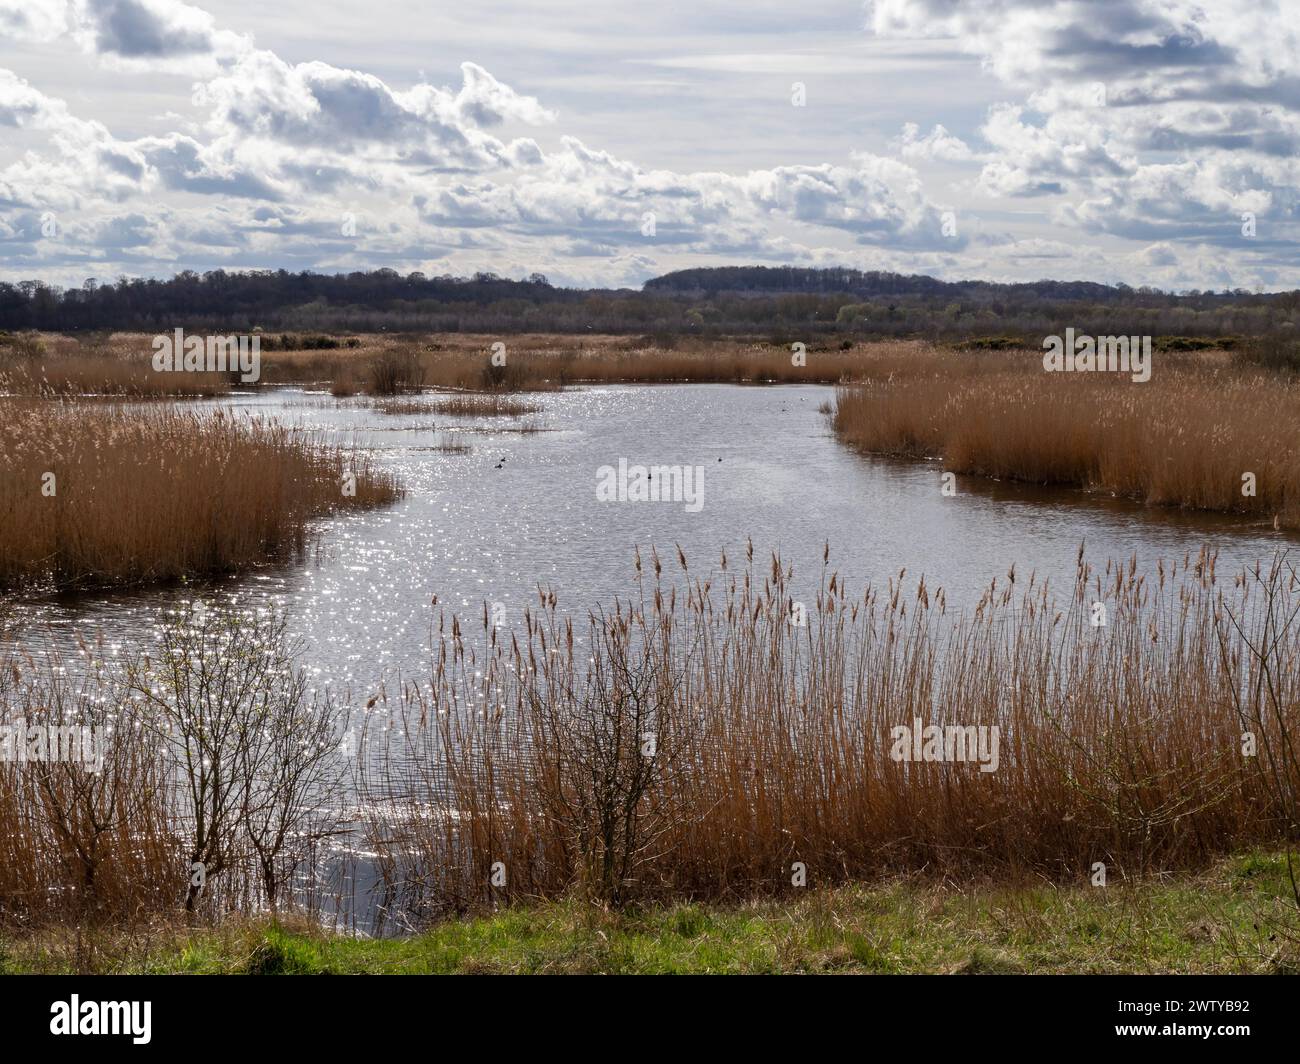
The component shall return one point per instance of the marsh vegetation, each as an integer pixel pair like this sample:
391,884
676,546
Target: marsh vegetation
1206,432
707,732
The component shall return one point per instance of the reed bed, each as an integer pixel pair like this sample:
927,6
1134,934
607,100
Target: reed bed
383,365
98,376
693,742
1185,438
461,362
53,367
93,494
520,768
402,407
458,404
470,404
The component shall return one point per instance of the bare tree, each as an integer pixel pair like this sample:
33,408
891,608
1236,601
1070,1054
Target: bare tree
607,750
247,751
286,802
1266,686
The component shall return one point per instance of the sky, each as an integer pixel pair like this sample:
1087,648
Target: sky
1149,142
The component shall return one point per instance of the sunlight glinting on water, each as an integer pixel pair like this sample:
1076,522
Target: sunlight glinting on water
520,510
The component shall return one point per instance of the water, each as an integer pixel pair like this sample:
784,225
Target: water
520,510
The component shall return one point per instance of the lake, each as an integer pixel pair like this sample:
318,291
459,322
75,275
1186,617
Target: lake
520,510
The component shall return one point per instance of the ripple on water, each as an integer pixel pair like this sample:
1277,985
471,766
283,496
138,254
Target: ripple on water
519,509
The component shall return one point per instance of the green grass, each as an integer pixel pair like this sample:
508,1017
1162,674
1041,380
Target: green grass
1237,918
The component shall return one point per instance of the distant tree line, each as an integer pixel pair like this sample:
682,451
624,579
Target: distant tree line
771,302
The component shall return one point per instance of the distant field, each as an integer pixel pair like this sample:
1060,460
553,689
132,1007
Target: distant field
383,364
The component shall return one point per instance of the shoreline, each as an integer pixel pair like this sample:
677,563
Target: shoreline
1220,921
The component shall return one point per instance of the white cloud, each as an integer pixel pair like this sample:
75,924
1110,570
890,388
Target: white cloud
88,162
938,144
1120,128
1153,119
32,20
139,35
420,167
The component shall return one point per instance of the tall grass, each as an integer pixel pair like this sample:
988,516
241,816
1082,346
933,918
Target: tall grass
695,742
1185,438
212,750
91,494
457,404
389,366
56,366
394,371
519,767
490,405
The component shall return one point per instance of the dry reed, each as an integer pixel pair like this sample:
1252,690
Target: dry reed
696,742
519,768
1185,438
121,366
393,365
464,362
93,494
469,404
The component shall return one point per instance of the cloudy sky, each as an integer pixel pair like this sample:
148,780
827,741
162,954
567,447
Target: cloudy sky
1145,141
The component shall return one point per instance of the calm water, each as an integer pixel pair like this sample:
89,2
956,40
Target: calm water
521,509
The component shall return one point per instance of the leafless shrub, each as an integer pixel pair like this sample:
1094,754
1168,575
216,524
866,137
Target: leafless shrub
1260,647
250,755
520,753
607,747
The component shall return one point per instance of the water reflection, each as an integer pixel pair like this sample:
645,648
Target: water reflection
520,509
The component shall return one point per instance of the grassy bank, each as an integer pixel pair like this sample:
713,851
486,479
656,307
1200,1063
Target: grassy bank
1186,438
1233,919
